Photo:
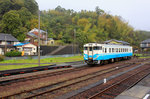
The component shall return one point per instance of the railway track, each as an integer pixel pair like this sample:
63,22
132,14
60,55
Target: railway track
4,82
124,84
115,86
67,83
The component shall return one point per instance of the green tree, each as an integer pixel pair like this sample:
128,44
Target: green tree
20,33
25,15
11,21
32,6
5,6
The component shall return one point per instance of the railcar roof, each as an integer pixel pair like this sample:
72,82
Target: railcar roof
112,45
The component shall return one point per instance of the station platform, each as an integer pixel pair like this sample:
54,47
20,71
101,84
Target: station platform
140,91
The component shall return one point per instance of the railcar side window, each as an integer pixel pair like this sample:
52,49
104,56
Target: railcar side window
97,48
112,49
85,48
105,50
117,50
130,49
100,48
109,50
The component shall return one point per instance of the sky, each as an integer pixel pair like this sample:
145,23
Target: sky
135,12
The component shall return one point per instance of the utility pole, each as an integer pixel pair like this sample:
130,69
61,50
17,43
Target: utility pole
39,39
5,44
46,37
74,41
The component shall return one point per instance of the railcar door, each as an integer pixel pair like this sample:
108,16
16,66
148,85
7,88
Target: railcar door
90,53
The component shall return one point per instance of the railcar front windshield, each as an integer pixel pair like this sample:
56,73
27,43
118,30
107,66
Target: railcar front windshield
85,48
90,48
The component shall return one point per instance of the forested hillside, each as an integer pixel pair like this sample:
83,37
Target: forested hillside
90,26
20,16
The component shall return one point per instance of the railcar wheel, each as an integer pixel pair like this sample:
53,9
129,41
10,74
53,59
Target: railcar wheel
112,60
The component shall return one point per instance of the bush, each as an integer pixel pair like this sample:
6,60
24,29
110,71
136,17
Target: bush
2,57
13,54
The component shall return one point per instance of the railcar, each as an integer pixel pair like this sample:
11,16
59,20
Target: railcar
95,53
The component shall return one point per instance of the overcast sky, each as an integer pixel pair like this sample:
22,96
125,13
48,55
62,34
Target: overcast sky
136,12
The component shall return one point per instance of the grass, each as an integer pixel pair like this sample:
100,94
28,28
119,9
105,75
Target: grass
46,60
141,55
144,57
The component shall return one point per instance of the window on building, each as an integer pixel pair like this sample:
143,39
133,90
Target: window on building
19,49
52,42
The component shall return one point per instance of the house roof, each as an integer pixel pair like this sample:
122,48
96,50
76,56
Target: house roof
7,37
36,30
146,41
122,42
34,33
21,44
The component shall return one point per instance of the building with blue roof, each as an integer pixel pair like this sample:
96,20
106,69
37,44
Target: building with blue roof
27,48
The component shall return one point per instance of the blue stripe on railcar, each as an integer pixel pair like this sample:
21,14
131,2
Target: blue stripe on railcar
106,56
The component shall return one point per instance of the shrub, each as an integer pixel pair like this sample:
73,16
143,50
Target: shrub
13,54
2,57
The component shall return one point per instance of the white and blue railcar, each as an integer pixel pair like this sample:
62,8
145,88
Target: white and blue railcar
95,53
